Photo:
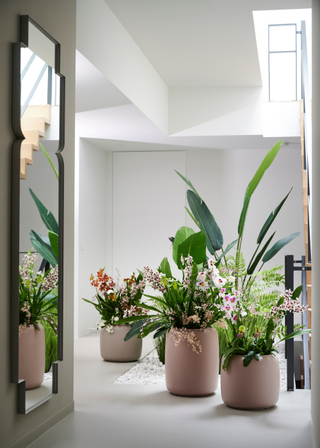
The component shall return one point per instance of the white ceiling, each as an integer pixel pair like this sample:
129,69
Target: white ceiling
198,42
190,43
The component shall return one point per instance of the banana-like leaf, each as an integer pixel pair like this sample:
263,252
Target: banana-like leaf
54,243
228,248
195,246
47,217
206,222
278,246
165,268
188,183
44,251
50,161
182,234
253,265
266,162
270,219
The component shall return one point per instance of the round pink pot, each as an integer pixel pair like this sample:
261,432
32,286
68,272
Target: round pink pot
32,356
253,387
114,348
189,374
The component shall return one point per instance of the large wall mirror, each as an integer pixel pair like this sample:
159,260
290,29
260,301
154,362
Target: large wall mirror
38,117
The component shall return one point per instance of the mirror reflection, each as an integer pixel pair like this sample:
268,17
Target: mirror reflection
39,206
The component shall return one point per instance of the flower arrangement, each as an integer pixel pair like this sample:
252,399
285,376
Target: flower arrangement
195,302
116,300
37,295
254,333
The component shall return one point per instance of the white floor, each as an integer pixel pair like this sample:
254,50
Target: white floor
136,416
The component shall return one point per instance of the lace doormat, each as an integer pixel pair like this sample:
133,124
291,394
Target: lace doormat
150,371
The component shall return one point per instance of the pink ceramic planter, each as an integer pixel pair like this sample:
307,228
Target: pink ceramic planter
32,356
253,387
189,374
114,348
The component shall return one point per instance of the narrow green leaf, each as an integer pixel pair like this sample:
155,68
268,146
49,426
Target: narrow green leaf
188,183
294,334
267,161
278,246
257,356
54,243
243,215
270,219
248,358
228,248
192,217
47,217
50,161
206,221
182,234
252,267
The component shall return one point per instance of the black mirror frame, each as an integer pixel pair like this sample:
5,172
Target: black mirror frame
15,213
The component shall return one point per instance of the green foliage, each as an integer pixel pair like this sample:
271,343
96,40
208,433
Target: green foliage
51,346
160,346
206,222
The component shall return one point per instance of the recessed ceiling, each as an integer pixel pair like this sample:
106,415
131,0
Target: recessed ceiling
198,42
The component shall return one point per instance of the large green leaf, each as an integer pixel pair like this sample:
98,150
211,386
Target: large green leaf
195,246
50,161
188,183
165,268
44,250
253,265
270,219
182,234
206,222
47,217
266,162
54,243
278,246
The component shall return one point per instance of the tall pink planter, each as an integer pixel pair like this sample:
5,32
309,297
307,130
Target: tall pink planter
189,374
253,387
114,348
32,356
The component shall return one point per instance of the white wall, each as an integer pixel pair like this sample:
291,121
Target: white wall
95,214
148,207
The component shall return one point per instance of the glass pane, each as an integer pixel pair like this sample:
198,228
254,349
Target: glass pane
283,77
282,38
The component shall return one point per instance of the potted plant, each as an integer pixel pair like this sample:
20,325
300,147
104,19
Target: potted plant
250,369
37,305
115,301
186,309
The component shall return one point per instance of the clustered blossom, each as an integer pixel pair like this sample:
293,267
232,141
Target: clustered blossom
25,309
51,280
154,279
119,295
184,334
288,305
